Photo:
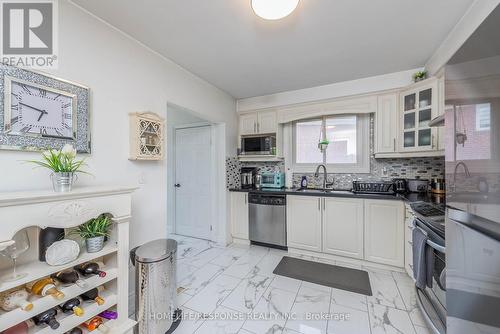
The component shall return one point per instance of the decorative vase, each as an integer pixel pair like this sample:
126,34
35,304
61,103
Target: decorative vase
63,182
46,238
94,244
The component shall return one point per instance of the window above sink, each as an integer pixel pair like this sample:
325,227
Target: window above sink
348,148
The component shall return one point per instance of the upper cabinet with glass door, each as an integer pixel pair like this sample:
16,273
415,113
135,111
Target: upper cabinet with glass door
419,105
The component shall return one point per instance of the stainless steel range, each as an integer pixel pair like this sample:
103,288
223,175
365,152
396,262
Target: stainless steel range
430,218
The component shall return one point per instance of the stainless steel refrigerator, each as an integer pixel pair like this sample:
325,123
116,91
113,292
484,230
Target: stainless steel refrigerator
472,137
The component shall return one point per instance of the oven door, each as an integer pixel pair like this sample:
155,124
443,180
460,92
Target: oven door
432,300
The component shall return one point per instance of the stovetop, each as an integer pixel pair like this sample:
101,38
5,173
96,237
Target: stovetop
433,215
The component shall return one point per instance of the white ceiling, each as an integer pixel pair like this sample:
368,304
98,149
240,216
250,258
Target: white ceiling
322,42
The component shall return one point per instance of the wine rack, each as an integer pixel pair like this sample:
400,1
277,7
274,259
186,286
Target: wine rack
32,211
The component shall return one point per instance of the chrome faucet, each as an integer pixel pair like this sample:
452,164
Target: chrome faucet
467,173
325,175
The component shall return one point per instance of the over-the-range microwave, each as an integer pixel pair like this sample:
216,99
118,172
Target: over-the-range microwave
258,145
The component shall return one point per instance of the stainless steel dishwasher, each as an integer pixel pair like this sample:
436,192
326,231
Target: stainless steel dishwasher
267,219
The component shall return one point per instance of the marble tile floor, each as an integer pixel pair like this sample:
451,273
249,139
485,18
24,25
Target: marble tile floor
233,290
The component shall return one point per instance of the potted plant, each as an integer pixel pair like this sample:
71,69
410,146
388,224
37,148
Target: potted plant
64,166
419,76
94,231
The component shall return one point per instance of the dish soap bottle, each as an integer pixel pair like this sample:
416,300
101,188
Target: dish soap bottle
303,182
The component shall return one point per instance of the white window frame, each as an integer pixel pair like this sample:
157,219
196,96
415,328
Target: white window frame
362,165
479,116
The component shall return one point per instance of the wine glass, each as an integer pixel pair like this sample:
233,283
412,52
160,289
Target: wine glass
20,245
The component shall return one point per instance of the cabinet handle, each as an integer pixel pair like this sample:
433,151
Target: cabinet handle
258,127
319,204
254,127
246,199
432,140
394,144
324,204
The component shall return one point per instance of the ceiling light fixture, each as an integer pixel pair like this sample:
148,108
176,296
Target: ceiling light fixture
274,9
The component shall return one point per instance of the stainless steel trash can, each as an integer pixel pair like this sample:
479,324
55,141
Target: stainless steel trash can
155,286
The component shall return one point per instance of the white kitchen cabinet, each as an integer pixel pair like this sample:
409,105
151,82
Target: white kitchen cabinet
418,106
248,124
386,124
239,215
261,122
267,122
343,227
384,232
304,222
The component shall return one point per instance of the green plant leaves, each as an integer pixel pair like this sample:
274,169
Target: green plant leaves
97,227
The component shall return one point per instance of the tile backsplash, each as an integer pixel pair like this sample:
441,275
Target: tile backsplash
410,168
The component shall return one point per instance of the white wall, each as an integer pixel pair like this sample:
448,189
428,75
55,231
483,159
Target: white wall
124,77
339,89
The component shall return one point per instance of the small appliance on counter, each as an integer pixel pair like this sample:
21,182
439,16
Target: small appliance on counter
400,186
438,186
417,185
247,177
373,187
272,180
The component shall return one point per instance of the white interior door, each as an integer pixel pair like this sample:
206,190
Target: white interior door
193,186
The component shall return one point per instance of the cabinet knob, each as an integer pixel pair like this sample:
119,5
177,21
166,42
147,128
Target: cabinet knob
177,185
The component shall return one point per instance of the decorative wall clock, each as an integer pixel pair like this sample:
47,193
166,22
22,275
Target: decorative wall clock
39,111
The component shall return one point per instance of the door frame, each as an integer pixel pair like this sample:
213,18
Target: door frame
217,178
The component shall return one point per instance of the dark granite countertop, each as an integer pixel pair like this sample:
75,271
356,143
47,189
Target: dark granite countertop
409,197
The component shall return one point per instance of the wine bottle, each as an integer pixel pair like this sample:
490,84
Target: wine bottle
45,287
47,317
75,330
72,305
108,314
96,323
46,238
90,268
21,328
15,299
70,276
93,295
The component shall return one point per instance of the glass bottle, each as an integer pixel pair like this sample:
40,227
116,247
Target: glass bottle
15,299
72,305
93,295
90,268
45,287
47,317
96,323
70,276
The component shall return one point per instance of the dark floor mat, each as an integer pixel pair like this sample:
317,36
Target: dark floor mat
349,279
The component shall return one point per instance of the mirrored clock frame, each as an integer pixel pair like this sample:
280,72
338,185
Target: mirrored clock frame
8,108
80,101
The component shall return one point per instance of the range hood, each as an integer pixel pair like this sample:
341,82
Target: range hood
437,122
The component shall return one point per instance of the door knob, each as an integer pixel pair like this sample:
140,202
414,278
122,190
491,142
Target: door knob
177,185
